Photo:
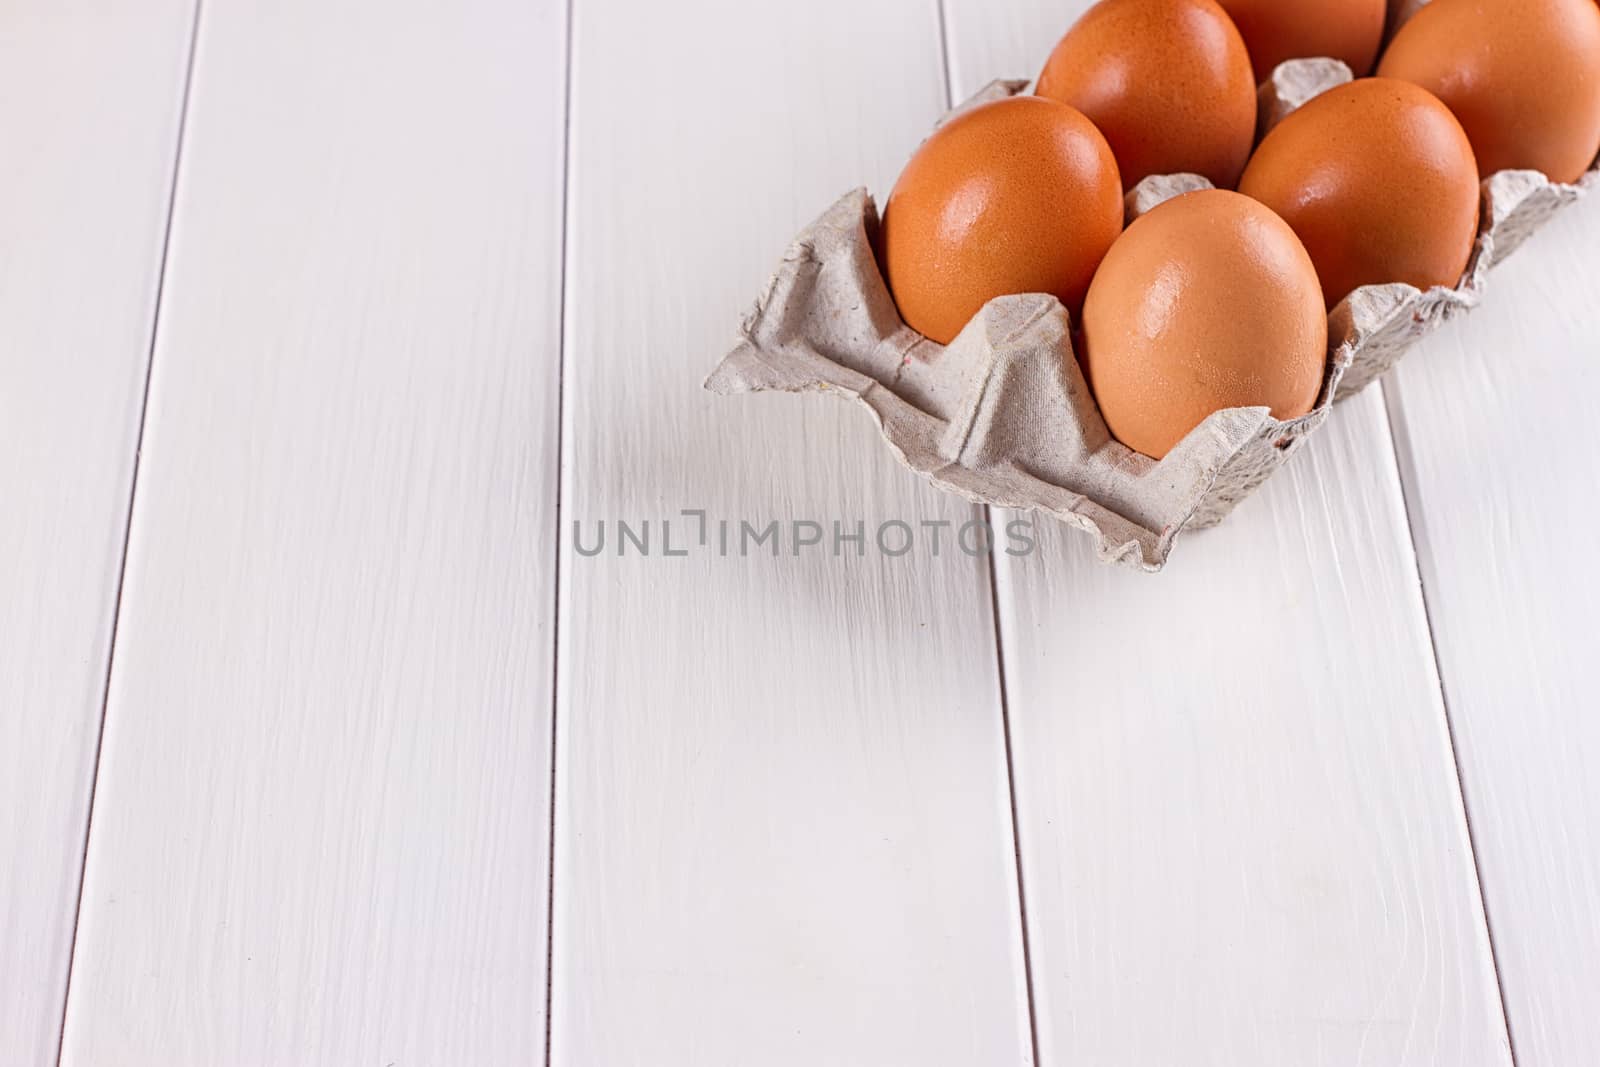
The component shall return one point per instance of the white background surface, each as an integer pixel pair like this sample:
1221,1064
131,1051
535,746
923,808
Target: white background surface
320,325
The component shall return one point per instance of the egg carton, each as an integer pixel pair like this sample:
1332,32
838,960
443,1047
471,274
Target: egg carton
1003,415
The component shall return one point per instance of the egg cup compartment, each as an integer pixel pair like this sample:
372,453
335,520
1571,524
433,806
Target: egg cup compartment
1385,321
1003,415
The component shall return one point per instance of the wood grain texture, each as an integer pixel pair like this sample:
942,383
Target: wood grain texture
320,829
783,833
1496,417
1241,832
1240,827
90,97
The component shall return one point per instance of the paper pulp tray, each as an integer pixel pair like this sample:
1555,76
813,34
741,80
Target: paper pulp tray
1003,415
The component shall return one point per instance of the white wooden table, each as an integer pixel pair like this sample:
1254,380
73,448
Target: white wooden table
322,322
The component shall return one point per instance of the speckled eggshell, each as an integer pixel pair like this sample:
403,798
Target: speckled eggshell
1523,76
1378,181
1278,30
1207,302
1014,196
1167,81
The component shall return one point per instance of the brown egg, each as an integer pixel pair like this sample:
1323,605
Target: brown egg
1015,196
1167,81
1277,30
1207,302
1523,76
1377,179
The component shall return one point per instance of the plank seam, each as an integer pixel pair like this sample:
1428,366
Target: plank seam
941,9
555,609
1400,450
127,526
1011,791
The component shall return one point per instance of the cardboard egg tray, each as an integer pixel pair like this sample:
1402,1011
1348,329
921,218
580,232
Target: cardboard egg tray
1003,415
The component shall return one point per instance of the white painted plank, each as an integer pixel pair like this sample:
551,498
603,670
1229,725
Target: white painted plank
783,832
1241,832
1496,416
320,829
90,97
1240,827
